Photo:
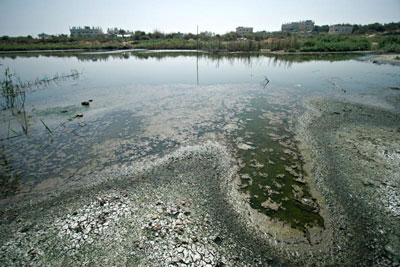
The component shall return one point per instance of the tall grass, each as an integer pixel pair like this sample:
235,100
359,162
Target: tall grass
321,43
13,93
12,96
336,43
389,43
211,45
228,42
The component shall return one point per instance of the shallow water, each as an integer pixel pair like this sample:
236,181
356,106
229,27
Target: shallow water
148,104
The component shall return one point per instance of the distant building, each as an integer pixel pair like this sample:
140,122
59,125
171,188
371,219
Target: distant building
119,32
113,31
306,25
340,29
243,30
44,36
85,31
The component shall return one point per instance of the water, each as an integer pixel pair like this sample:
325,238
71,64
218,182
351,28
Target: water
148,104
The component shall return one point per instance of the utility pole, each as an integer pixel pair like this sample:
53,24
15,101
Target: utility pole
197,56
197,38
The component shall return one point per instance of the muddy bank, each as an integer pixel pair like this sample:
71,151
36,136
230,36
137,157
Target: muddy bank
169,211
355,158
393,59
186,208
181,209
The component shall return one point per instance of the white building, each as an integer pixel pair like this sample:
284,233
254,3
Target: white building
85,31
244,30
306,25
340,29
119,32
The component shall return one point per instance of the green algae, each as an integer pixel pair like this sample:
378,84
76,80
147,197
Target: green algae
272,173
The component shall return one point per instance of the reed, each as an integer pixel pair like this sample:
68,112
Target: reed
13,97
47,128
13,93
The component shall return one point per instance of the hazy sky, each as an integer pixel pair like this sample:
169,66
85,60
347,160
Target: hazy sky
23,17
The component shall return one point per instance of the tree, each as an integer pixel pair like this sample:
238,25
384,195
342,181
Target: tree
323,28
139,35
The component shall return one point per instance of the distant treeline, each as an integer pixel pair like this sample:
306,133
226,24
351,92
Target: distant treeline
318,43
379,37
388,28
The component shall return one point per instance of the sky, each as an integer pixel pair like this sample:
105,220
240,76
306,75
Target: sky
31,17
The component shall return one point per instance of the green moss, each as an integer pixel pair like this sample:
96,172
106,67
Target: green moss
272,160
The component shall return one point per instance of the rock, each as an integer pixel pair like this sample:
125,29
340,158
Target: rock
64,111
367,182
300,180
101,201
291,171
246,176
196,257
244,186
263,174
297,191
245,146
256,164
178,229
269,204
156,227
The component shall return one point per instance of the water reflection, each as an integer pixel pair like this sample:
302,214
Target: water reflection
247,59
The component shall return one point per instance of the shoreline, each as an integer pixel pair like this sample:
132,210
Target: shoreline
345,141
194,50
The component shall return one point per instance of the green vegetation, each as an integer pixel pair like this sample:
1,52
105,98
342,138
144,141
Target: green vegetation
210,45
318,43
13,93
388,28
335,43
12,97
272,175
388,43
61,42
377,37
